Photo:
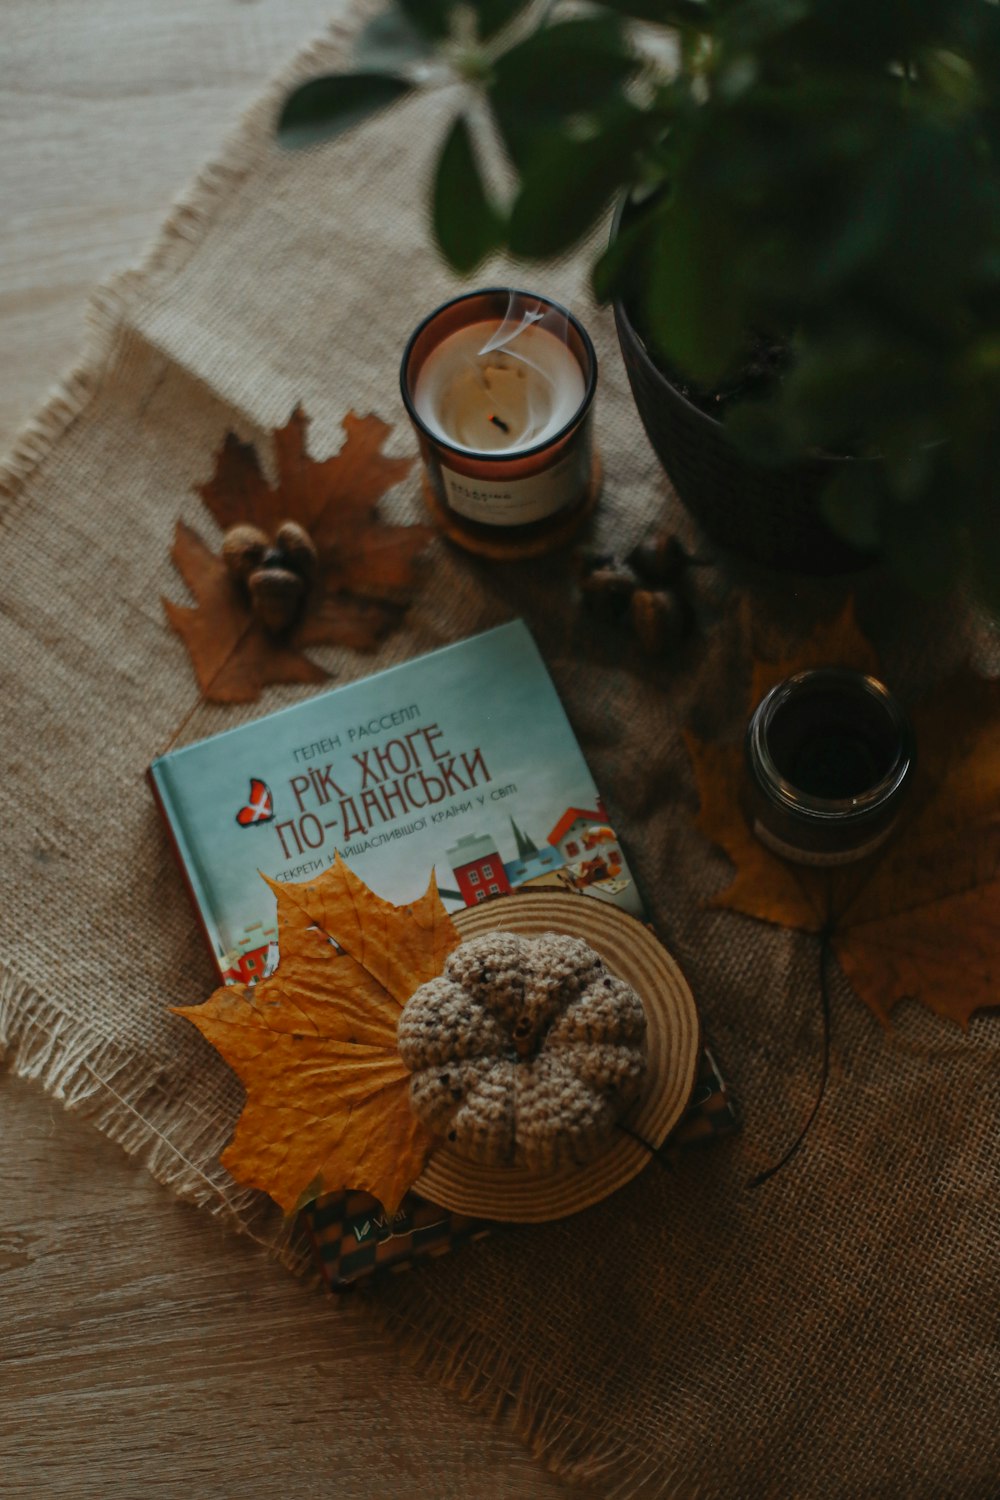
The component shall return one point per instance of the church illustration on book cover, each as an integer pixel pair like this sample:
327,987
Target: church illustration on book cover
580,853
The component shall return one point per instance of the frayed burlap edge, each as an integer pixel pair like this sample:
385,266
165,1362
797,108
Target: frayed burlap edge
507,1391
66,401
192,215
122,1097
89,1074
85,1072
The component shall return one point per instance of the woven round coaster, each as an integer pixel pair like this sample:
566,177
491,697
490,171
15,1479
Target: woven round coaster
673,1039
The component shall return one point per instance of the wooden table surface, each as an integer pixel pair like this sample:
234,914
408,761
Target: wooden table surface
144,1350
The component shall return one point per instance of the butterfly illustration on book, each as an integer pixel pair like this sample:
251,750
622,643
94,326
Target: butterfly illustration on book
260,807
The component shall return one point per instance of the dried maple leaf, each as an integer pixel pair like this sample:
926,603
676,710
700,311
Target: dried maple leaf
328,1102
366,569
918,919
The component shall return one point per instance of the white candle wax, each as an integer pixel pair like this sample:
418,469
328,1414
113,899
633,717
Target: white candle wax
487,394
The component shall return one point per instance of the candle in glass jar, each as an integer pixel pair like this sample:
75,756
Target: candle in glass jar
499,385
493,392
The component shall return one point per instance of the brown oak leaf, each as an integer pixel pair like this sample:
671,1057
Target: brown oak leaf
366,568
328,1102
918,919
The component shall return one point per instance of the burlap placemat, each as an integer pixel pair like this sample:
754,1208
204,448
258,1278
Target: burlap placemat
832,1334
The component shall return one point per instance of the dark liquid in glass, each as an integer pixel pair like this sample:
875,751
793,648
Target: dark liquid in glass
834,746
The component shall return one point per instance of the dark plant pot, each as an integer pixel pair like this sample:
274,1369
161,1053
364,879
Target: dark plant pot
769,514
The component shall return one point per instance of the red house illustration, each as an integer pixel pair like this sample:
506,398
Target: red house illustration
247,963
478,868
587,844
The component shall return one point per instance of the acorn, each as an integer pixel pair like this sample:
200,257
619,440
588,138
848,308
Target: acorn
588,560
659,618
607,590
298,549
276,596
659,560
243,549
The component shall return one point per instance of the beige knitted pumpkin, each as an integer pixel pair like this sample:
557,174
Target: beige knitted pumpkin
525,1050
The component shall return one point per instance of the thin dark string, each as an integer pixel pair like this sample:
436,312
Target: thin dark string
825,950
656,1152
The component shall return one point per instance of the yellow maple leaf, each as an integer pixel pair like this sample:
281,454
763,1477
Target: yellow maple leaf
328,1102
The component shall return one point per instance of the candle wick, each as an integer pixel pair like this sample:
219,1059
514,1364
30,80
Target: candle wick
499,422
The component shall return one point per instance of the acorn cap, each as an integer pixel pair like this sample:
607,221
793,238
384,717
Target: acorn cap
297,548
243,549
660,559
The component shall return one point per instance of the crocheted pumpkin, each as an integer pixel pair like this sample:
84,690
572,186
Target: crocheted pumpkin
525,1050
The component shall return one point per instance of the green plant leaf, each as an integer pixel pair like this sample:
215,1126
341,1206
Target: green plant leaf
573,68
983,554
390,41
567,66
909,454
694,302
570,182
928,544
856,388
432,17
663,12
852,503
325,107
466,224
493,15
622,262
755,22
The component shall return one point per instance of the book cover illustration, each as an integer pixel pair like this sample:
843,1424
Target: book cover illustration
462,761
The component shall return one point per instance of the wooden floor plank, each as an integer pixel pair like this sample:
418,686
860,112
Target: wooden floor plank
147,1351
144,1351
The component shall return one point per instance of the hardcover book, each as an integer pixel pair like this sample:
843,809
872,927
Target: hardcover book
461,761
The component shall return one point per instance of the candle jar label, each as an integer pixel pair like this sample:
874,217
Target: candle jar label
516,502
